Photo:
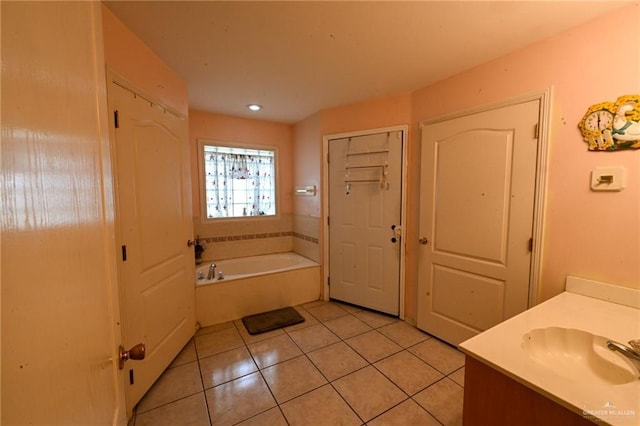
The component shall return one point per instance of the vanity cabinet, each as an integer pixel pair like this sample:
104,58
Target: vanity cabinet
491,398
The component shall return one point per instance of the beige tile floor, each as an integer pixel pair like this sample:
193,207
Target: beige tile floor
342,366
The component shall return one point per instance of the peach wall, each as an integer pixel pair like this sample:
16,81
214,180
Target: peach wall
588,234
307,166
578,223
250,236
308,135
226,128
130,58
307,163
576,227
374,113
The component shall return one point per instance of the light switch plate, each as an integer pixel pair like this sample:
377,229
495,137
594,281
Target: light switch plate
608,178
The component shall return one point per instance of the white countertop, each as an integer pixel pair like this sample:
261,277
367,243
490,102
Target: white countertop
502,348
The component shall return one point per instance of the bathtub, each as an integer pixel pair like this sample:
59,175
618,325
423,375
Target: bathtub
255,284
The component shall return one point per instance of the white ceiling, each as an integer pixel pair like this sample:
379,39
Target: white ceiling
299,57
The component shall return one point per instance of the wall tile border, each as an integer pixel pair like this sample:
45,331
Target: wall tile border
313,240
244,237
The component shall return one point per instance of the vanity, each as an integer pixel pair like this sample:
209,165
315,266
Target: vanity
551,364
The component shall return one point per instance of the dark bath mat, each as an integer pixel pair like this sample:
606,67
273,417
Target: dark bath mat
271,320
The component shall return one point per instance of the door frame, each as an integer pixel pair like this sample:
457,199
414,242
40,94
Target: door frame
544,97
113,77
403,210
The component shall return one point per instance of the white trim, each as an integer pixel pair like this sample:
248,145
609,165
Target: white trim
544,131
403,216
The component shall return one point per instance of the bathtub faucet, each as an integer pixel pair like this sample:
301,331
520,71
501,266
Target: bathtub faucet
212,272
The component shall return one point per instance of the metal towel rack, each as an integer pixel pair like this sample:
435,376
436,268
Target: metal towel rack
382,180
382,173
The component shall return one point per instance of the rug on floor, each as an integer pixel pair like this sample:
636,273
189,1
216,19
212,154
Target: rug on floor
267,321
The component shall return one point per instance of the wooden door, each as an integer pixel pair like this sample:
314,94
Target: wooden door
476,220
154,222
60,324
365,197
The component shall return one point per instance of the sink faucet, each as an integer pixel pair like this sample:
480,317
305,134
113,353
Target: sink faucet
212,272
632,352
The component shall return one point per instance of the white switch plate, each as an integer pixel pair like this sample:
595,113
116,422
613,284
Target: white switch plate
608,178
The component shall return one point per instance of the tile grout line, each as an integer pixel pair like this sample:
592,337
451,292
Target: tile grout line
403,349
329,382
204,390
246,344
368,364
348,313
197,362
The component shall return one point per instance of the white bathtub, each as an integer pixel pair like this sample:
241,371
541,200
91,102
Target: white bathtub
245,267
255,284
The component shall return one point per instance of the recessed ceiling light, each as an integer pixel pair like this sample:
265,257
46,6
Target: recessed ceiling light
254,107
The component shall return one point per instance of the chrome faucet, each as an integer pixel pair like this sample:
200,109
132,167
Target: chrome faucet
212,272
632,352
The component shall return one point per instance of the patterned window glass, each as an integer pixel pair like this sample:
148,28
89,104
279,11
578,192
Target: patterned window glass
239,182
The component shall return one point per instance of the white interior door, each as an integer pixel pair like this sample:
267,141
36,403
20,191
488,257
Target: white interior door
154,222
476,220
365,195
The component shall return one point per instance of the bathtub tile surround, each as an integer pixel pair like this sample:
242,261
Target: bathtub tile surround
306,233
230,238
232,246
343,365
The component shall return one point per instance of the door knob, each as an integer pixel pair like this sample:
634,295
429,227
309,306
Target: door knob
137,352
423,241
191,243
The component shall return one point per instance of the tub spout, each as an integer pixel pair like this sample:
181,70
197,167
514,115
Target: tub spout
212,272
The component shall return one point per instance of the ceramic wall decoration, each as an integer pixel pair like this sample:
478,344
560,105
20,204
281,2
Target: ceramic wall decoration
610,126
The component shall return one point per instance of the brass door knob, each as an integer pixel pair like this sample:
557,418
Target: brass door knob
424,241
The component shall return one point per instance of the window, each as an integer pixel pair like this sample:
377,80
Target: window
239,182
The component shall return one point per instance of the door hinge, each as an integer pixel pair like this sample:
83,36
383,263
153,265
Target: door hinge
536,131
328,281
124,253
531,244
116,120
327,220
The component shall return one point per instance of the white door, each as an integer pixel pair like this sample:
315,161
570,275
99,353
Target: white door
476,220
365,197
154,222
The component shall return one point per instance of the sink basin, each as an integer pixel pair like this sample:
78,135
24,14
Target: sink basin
577,354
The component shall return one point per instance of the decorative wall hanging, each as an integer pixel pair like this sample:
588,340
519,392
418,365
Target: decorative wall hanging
609,126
